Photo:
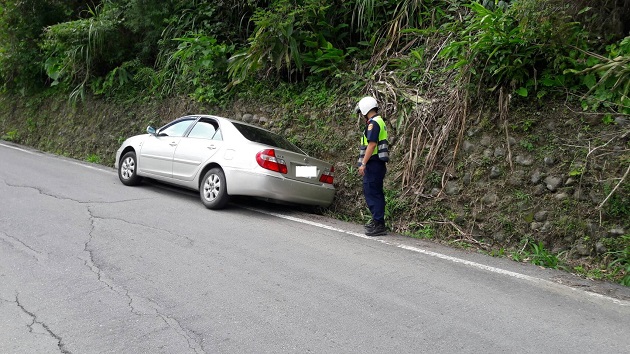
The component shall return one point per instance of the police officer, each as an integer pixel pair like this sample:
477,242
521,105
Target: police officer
374,153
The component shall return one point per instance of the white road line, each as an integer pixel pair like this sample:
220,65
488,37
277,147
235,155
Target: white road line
17,148
62,159
445,257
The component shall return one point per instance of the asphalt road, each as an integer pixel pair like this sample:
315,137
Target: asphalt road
88,265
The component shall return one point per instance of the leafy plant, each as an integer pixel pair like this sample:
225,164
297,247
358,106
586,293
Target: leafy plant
12,135
608,80
93,158
198,63
508,47
618,205
394,205
620,263
77,50
424,232
21,26
538,255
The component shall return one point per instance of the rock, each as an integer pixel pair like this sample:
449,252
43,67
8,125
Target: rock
600,248
582,249
495,172
546,227
490,198
524,160
549,161
511,141
622,121
451,188
592,229
467,178
541,216
434,192
248,118
498,236
552,183
472,132
499,152
561,196
486,140
536,177
468,146
539,190
616,232
570,182
516,179
535,226
487,153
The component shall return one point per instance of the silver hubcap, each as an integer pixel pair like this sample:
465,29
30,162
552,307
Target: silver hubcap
212,187
127,168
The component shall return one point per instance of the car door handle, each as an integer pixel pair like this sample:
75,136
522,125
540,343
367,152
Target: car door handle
212,147
173,144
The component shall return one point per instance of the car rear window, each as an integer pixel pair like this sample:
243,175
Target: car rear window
266,137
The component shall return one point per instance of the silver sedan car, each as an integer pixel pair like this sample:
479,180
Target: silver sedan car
220,158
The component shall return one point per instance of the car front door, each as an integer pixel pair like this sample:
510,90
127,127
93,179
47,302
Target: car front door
156,154
203,141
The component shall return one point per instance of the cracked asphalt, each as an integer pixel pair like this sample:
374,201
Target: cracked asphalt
88,265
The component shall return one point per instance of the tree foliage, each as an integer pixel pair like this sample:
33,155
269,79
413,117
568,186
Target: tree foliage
121,47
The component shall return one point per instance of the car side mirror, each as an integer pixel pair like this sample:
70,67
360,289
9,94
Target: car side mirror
151,130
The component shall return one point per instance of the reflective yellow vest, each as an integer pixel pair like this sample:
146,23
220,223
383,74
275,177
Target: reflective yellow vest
382,147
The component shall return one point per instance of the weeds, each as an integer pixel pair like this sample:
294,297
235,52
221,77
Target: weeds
93,158
12,135
424,232
620,264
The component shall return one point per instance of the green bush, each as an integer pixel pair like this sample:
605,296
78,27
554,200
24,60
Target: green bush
78,51
620,264
510,49
608,78
21,26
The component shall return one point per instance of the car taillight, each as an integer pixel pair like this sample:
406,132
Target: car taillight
267,159
328,176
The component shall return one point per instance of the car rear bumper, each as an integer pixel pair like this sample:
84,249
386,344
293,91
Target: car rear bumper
268,186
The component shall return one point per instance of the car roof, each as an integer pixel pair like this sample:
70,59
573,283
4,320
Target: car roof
223,118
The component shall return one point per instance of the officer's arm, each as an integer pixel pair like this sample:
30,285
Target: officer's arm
369,151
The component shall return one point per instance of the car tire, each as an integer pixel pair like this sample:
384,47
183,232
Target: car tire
128,169
213,189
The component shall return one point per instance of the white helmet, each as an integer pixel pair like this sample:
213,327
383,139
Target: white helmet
365,105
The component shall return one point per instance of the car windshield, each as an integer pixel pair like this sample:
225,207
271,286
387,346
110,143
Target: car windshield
266,137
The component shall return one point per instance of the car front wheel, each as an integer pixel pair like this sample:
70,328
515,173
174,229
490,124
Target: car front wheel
127,169
213,189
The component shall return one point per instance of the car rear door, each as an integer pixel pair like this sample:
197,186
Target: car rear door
194,150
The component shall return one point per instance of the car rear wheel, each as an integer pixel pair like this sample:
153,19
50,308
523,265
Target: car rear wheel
213,189
127,169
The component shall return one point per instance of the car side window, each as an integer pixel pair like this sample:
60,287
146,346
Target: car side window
217,135
176,130
203,129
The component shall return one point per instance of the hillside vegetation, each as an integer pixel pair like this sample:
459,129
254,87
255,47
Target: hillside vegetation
508,119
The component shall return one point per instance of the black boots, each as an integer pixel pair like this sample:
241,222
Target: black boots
375,228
